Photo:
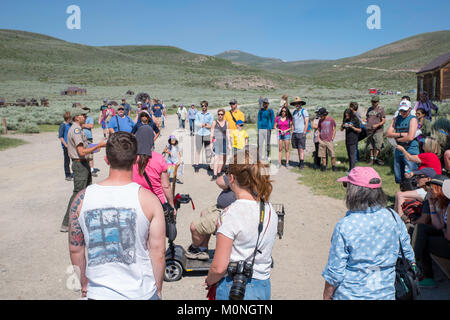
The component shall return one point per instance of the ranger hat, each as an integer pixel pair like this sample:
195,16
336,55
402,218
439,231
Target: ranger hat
297,100
78,111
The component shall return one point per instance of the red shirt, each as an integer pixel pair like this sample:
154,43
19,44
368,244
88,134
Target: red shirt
430,160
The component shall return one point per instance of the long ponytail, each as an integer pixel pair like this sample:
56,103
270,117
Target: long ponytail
142,163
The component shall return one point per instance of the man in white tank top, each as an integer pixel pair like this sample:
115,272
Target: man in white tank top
121,227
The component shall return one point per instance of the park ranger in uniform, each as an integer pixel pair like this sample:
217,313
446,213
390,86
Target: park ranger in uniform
80,153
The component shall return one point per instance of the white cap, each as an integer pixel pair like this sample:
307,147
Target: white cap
446,188
404,105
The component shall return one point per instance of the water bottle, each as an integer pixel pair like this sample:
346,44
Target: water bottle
407,170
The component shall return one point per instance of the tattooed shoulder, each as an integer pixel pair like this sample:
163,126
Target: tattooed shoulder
76,237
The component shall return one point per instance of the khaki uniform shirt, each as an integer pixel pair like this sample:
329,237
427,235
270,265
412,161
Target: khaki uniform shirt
76,137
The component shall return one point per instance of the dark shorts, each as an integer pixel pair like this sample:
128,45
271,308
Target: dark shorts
299,141
201,141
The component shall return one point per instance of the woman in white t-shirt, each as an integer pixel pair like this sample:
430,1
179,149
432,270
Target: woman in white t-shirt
237,232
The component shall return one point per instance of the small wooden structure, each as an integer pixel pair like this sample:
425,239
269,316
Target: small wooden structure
71,91
434,78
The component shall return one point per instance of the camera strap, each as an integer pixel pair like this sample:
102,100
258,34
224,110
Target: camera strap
262,207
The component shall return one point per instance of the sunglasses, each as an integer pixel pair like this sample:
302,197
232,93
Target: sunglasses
120,109
344,184
220,114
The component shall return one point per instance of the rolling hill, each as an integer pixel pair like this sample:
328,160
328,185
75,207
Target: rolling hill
31,56
386,66
36,57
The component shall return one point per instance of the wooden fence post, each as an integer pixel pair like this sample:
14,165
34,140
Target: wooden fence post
4,127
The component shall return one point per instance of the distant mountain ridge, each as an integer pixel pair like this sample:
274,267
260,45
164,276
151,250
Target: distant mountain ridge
394,61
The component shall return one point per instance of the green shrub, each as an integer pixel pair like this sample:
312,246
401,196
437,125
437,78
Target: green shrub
29,128
12,125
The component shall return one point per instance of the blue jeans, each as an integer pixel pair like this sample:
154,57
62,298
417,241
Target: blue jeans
255,289
191,125
399,166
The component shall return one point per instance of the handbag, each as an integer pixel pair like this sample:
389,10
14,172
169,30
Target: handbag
406,280
171,229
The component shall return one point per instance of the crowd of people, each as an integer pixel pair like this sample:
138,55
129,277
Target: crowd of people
123,232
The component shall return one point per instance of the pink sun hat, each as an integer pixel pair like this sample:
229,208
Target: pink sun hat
361,176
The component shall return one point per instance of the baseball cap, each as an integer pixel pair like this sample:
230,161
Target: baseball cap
446,188
233,101
317,109
375,99
405,105
427,172
438,179
105,100
239,122
361,176
265,100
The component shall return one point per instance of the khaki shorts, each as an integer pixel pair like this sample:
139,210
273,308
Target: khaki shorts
207,224
375,141
324,146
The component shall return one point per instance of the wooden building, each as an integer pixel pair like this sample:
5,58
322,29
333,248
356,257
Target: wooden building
74,91
434,78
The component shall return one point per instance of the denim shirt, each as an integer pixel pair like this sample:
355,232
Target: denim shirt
364,250
192,113
200,118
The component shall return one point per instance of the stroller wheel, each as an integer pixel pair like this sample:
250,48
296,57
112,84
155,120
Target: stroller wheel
173,272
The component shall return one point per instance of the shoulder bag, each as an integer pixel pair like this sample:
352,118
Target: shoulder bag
171,229
406,280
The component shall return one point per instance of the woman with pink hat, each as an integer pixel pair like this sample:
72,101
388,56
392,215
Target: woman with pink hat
365,244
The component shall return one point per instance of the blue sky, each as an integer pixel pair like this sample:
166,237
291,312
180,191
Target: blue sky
289,30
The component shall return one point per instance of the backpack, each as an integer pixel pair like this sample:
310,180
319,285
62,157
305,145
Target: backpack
309,124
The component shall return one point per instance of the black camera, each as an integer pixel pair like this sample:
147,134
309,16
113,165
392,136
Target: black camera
240,272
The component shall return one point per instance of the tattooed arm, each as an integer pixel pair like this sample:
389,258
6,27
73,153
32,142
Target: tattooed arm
76,241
